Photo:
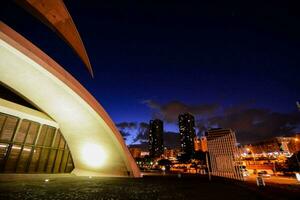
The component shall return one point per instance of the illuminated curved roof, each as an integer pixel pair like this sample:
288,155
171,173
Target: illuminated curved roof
54,14
96,145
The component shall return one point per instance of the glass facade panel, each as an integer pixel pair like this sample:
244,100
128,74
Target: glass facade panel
23,160
2,120
49,137
51,161
43,160
34,160
64,161
3,152
42,136
22,131
10,165
8,128
29,147
32,133
62,143
57,140
58,161
70,165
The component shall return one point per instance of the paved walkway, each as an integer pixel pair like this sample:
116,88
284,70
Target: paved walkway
158,187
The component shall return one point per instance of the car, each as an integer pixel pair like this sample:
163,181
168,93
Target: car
264,174
245,173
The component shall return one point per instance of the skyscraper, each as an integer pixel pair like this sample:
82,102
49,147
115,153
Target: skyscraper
156,146
187,133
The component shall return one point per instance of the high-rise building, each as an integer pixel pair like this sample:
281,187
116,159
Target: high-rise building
156,146
200,144
187,133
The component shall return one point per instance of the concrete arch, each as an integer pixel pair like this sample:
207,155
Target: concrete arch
96,145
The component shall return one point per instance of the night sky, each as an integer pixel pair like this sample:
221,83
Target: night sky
231,64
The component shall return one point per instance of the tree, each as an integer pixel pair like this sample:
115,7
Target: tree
184,158
293,162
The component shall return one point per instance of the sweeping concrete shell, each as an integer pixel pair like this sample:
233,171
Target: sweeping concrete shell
96,145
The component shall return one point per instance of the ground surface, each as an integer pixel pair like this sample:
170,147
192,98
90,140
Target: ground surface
154,187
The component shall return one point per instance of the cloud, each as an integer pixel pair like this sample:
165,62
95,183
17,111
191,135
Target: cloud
126,128
169,112
142,133
254,124
138,131
124,125
251,124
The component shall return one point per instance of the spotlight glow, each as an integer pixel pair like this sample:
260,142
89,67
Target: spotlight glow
93,155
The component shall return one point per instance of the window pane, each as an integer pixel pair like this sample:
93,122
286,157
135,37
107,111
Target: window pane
3,151
2,120
64,161
42,136
51,161
58,161
57,139
43,160
8,129
70,165
22,164
62,143
49,136
34,160
12,158
32,133
21,133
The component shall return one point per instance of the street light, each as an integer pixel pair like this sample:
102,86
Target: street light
296,154
249,150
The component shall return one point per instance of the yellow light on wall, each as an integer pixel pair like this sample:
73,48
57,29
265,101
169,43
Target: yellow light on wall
93,155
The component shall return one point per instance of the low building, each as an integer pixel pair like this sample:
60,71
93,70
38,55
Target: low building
275,145
135,152
171,153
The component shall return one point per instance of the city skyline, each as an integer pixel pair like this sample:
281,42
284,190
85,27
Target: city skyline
149,100
216,63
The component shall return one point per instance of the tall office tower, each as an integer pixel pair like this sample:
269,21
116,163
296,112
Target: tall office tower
187,133
156,146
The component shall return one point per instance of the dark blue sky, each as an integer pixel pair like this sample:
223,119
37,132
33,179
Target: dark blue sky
222,53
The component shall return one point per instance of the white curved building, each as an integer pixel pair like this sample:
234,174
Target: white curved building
64,129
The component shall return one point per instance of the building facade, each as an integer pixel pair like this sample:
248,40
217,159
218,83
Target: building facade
223,154
200,144
135,152
32,143
62,128
277,145
187,133
156,145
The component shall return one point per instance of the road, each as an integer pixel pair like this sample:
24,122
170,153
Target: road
275,180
